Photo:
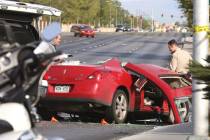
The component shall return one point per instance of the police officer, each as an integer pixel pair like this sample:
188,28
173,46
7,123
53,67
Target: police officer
180,59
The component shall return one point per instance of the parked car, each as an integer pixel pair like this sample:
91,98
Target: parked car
113,90
83,30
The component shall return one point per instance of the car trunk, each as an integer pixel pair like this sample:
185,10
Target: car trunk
63,74
182,92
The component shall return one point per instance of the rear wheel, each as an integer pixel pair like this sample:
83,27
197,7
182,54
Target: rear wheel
119,108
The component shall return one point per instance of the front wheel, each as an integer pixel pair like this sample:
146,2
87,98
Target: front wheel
119,108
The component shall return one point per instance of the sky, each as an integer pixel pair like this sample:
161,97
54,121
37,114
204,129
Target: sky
155,8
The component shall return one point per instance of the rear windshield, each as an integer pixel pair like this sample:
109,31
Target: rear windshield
176,81
23,33
119,26
85,27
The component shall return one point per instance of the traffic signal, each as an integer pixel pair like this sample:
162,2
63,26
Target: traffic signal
161,15
172,16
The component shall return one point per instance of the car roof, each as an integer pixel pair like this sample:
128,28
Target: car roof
29,8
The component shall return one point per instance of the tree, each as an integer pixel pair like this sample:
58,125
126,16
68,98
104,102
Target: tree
88,11
202,73
187,8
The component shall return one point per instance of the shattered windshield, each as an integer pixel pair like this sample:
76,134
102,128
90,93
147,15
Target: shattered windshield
176,81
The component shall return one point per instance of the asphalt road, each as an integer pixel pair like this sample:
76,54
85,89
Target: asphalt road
90,131
134,47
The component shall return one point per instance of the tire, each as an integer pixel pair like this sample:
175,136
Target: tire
93,36
119,108
75,35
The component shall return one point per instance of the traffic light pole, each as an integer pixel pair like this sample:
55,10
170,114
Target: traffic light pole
200,52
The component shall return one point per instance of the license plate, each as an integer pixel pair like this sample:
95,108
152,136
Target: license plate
62,89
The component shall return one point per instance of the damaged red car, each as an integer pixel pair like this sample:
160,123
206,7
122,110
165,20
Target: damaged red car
114,90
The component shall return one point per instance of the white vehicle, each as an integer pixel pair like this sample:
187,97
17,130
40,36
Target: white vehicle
20,68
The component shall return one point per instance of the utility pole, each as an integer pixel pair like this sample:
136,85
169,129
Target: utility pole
200,52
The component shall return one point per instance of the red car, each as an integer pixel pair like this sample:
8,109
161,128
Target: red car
114,91
83,30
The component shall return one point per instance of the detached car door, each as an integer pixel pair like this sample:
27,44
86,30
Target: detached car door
155,94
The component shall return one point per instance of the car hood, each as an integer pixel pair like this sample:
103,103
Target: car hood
172,132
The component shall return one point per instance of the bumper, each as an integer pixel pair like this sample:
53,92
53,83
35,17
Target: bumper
72,105
87,34
79,95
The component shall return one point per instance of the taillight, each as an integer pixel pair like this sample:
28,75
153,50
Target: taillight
98,75
45,77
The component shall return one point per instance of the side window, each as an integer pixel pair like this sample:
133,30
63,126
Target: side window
3,34
150,87
153,93
22,34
